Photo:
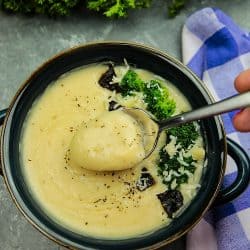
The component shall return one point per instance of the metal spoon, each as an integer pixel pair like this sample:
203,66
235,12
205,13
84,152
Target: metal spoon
153,128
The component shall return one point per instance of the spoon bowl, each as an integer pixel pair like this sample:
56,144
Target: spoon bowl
152,128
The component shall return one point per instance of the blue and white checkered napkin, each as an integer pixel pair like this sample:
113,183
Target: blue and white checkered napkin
217,50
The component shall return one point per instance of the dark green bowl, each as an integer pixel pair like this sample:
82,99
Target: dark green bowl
143,57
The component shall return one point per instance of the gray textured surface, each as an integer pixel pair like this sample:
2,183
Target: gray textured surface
27,42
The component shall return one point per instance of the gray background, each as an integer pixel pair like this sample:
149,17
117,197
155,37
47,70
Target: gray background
26,42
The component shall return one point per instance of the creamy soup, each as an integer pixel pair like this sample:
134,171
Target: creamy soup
112,141
70,183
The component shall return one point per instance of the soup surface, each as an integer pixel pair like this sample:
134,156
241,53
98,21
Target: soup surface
112,141
106,204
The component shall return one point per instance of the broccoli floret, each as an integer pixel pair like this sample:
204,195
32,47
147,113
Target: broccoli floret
186,134
154,92
163,109
131,82
158,101
155,95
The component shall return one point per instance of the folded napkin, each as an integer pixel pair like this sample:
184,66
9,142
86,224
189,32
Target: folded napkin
217,50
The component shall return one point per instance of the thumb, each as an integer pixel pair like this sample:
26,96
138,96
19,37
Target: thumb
241,120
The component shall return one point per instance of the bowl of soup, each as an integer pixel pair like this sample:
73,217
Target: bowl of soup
73,160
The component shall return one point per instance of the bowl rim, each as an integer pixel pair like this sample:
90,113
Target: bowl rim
54,236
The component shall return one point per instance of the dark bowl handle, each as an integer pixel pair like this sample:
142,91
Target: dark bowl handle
243,177
2,116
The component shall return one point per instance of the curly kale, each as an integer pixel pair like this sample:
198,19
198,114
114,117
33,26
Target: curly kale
156,96
116,8
186,134
49,7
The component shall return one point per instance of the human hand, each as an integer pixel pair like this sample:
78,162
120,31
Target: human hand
241,120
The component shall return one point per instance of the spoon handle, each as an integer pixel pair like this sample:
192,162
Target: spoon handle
226,105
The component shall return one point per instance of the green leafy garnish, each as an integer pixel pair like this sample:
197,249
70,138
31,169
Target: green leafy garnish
156,96
178,171
158,101
186,134
174,170
131,82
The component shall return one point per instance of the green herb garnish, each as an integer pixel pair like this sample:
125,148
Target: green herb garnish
156,96
186,134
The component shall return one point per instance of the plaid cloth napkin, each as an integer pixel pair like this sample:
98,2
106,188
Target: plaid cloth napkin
217,50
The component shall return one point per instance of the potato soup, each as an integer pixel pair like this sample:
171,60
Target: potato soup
107,202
